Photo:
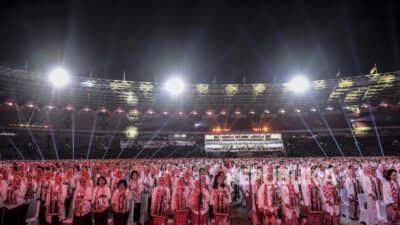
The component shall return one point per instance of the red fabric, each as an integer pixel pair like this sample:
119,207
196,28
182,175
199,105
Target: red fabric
265,195
334,220
292,221
393,190
180,218
160,221
203,219
327,189
219,220
313,218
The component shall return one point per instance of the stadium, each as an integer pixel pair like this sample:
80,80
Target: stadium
111,119
199,112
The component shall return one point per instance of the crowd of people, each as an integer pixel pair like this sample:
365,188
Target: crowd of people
288,191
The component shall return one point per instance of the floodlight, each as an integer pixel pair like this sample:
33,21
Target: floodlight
383,104
175,86
364,106
329,108
119,110
86,109
59,77
299,84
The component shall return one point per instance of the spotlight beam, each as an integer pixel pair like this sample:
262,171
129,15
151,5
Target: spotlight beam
73,135
30,133
155,153
91,135
52,136
32,113
112,137
13,144
196,148
120,152
330,132
152,138
312,135
176,149
350,128
376,130
141,120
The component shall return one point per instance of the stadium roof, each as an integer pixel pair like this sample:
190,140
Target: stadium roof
21,87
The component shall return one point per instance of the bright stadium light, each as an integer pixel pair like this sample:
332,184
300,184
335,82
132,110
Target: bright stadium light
299,84
59,77
175,86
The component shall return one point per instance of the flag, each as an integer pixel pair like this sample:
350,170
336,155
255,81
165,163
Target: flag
338,73
374,69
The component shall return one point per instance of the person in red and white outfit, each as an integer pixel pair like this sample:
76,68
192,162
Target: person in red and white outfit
291,201
81,203
160,202
197,206
391,197
353,186
312,198
180,202
69,183
136,189
220,200
116,179
268,199
31,189
3,191
120,202
44,184
101,197
371,188
331,200
14,202
55,208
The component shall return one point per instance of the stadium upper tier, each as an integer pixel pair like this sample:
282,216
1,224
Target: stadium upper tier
22,88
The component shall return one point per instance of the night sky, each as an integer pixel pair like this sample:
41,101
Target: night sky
262,41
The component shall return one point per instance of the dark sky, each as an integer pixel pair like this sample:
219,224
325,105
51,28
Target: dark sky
262,40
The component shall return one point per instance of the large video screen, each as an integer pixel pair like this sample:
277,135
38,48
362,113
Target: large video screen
243,142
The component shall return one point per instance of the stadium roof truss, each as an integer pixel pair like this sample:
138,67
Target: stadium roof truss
23,86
